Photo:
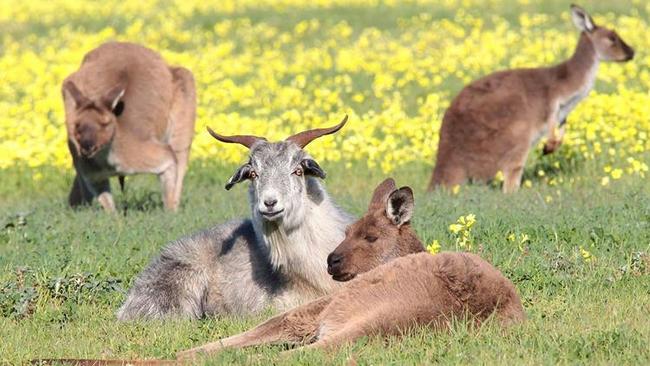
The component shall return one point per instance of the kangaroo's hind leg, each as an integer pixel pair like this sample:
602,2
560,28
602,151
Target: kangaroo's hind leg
295,326
513,168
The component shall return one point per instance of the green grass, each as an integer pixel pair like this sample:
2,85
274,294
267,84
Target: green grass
578,311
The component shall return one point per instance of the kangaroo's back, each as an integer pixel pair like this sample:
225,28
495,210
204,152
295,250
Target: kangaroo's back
425,289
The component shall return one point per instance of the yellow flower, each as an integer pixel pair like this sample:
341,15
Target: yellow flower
586,256
617,173
434,247
462,229
455,189
455,228
470,220
358,97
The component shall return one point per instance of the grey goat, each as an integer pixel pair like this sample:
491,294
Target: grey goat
277,258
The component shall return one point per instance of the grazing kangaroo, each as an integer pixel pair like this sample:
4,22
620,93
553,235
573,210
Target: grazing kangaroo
127,112
413,290
277,258
493,122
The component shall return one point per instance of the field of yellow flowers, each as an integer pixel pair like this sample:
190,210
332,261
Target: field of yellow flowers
575,240
272,77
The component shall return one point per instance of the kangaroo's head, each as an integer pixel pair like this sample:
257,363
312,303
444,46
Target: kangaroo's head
282,175
381,235
608,44
94,120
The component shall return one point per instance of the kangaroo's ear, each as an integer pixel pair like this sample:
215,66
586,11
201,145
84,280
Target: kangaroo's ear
243,173
582,19
112,99
400,205
71,88
311,167
381,193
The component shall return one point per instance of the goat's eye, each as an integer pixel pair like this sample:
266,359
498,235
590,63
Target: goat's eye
252,175
371,238
298,172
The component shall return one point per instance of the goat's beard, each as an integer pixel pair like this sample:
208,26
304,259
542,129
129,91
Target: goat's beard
292,218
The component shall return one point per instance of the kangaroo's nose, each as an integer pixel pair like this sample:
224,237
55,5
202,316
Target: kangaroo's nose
86,144
333,262
269,203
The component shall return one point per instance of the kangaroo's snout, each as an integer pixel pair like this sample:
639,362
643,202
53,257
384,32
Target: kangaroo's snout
334,261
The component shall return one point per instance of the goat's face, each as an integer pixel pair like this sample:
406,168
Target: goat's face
278,173
378,237
94,121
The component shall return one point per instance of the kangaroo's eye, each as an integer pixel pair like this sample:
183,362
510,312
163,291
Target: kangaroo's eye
252,175
298,172
371,238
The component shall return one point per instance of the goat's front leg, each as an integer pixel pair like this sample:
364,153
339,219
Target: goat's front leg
295,326
554,137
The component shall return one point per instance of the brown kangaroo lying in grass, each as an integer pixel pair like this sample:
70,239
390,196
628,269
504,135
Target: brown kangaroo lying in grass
413,289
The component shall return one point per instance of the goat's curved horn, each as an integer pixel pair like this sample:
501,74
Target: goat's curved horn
246,140
303,138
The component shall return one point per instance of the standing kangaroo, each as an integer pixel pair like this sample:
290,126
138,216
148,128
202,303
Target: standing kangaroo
415,289
493,122
128,112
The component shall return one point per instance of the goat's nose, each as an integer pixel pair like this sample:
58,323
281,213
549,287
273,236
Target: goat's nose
269,203
333,261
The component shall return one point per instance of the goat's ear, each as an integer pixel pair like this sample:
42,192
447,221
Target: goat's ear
581,19
71,88
311,167
400,205
243,173
379,196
